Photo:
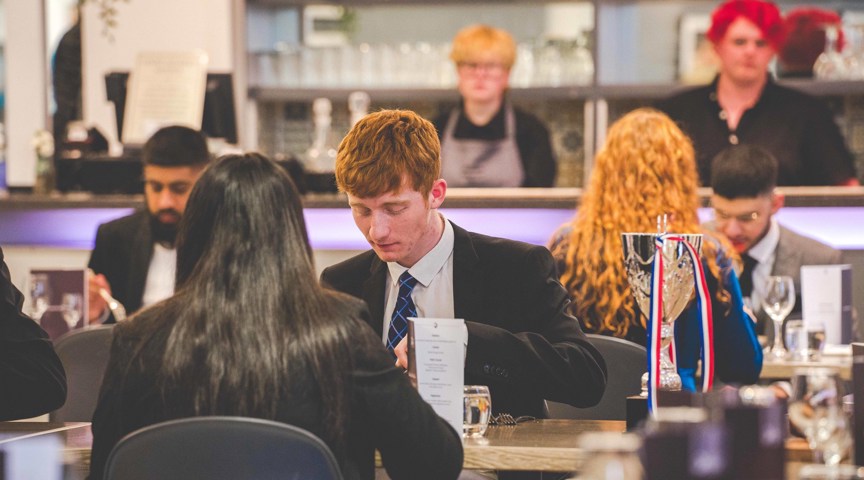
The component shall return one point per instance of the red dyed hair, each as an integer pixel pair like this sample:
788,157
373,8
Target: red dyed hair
806,27
764,15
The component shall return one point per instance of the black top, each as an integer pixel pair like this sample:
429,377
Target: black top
797,128
386,412
532,139
32,379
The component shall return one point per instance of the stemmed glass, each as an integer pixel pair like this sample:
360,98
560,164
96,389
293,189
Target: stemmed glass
72,307
816,409
40,295
778,301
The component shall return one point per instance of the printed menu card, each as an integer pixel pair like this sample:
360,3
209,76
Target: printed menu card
436,364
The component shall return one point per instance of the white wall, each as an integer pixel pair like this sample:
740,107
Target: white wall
151,25
26,94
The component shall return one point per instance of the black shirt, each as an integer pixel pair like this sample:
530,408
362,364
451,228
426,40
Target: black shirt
532,140
798,129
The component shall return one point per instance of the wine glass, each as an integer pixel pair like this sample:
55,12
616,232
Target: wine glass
71,307
40,295
777,301
816,409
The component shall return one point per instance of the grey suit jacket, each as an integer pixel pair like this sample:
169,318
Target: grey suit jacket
795,250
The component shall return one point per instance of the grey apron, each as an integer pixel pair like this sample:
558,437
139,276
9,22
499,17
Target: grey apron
481,163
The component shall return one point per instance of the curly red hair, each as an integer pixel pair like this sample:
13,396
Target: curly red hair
764,15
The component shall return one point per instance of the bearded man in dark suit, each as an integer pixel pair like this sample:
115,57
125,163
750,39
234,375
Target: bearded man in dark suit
134,256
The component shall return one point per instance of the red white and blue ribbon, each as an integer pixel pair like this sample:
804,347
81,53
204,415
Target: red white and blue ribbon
655,318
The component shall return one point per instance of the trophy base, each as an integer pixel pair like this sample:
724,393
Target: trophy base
670,381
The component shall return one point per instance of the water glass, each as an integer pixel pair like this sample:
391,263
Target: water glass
816,409
477,410
796,340
40,295
72,308
815,341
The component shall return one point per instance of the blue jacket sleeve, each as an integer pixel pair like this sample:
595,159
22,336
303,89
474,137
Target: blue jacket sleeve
737,353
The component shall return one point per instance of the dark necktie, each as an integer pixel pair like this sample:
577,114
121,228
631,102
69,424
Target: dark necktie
746,279
404,308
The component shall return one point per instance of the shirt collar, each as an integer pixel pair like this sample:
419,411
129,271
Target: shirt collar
764,249
428,267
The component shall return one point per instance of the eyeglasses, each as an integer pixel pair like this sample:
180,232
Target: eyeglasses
745,218
489,67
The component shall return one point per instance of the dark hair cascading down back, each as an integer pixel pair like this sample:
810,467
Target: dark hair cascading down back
249,311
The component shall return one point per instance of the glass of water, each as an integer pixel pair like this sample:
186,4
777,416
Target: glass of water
477,410
72,308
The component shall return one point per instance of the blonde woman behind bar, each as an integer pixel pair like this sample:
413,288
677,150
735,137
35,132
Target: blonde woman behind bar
485,141
646,168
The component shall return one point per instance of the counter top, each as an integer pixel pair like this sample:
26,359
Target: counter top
832,215
544,198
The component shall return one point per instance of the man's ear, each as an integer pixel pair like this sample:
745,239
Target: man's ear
778,199
437,193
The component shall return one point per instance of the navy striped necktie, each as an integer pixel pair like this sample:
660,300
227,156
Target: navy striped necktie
404,308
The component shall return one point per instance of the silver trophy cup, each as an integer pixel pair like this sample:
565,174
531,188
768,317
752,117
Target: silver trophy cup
639,252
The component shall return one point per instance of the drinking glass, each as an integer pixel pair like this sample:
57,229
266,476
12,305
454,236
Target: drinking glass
40,295
777,301
796,340
72,308
816,409
477,410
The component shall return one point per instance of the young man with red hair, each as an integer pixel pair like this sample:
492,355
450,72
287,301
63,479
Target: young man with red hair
743,105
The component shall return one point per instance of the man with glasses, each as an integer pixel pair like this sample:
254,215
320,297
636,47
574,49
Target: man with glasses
745,199
134,257
485,141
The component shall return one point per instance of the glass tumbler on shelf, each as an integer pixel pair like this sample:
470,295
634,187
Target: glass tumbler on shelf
830,64
778,299
72,308
477,410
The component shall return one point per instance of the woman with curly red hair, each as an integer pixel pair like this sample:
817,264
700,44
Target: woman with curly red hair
646,169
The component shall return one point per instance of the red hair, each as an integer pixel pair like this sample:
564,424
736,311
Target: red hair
763,14
806,27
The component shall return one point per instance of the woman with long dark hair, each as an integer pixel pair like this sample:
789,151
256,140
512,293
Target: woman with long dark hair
249,332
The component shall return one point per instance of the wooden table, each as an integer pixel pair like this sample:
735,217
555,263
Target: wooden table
783,370
541,445
551,445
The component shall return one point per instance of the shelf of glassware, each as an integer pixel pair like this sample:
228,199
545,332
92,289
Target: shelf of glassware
286,94
587,92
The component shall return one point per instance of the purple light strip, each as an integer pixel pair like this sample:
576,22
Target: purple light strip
334,229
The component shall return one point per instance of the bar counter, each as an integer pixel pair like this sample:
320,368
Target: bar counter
834,215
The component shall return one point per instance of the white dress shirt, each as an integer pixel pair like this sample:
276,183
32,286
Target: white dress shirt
433,294
764,252
160,275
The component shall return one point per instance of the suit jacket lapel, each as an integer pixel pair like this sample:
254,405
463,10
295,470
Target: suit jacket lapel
373,293
467,301
142,252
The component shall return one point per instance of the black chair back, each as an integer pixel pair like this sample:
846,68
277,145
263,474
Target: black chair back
625,363
84,354
221,448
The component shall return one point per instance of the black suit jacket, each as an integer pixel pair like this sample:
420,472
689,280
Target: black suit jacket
32,378
522,343
122,253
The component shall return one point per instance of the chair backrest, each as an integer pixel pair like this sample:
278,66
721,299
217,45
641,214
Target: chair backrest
84,354
218,448
625,363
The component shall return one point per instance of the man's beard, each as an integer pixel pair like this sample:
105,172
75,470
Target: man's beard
164,233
